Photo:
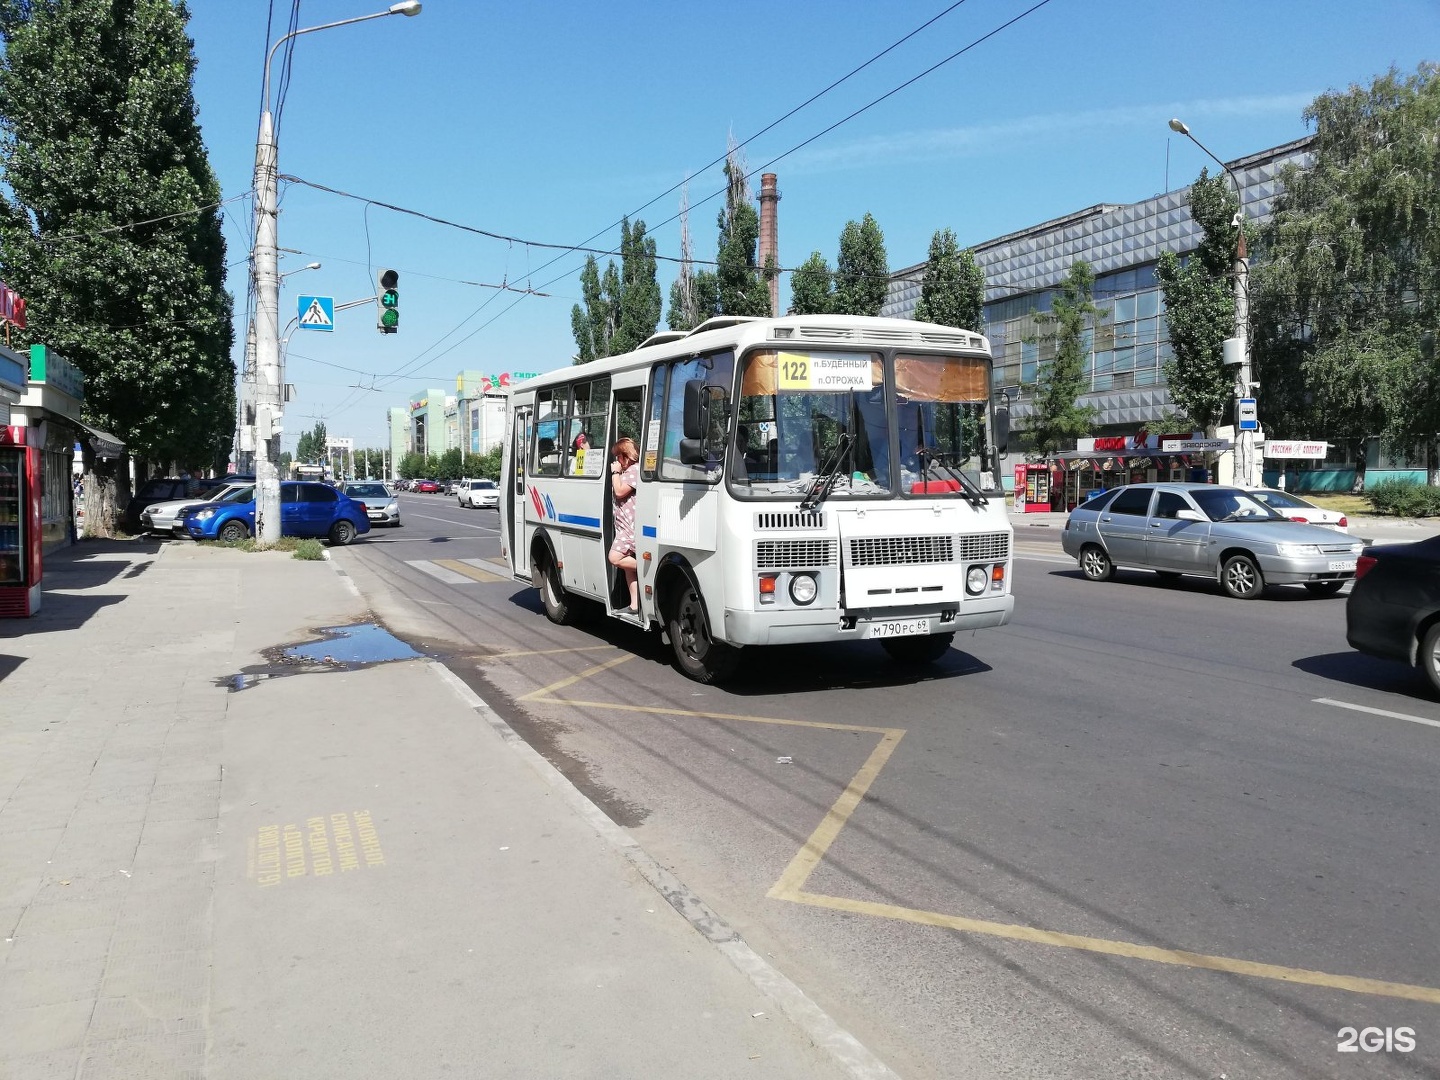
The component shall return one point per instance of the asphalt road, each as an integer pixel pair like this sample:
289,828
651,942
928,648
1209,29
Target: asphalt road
1145,830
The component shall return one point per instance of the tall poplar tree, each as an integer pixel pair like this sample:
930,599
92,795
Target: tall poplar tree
862,275
740,282
953,292
1058,420
811,291
110,223
621,308
1200,306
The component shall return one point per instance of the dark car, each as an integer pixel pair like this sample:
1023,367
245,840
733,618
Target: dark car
160,489
307,508
1394,608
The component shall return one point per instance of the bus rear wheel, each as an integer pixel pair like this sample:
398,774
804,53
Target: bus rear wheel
559,605
698,655
917,650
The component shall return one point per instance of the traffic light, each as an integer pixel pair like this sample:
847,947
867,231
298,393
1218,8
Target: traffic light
389,302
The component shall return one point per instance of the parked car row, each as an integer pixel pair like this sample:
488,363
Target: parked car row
437,487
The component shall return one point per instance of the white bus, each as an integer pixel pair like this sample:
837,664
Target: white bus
802,479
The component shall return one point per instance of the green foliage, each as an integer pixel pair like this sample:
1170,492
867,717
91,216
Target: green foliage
484,466
309,549
1350,284
953,292
862,276
98,132
449,465
310,448
740,285
1403,498
622,307
811,291
1058,420
1200,307
412,467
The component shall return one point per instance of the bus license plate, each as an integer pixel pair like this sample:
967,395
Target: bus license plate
907,628
1342,564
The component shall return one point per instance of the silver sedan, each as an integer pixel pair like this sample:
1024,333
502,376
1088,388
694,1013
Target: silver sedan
1223,533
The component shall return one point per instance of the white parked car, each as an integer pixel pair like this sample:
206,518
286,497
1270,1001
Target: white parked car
1297,509
168,518
478,494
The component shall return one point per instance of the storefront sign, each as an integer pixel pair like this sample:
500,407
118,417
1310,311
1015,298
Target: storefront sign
52,369
12,307
1194,446
1116,442
1315,451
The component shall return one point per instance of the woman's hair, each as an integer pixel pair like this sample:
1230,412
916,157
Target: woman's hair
625,448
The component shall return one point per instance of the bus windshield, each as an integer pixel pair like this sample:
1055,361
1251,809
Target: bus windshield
806,413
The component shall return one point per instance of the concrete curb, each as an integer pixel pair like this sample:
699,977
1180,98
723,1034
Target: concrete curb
844,1049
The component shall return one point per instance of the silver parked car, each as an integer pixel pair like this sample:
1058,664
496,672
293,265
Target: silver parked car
1224,533
381,505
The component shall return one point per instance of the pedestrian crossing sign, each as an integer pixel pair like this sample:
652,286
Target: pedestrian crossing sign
317,313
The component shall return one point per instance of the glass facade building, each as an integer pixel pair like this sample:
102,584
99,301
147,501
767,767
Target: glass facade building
1122,243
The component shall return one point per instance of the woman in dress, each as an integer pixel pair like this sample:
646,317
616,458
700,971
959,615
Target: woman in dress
624,478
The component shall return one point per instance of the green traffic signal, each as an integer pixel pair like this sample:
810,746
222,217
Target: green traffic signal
389,302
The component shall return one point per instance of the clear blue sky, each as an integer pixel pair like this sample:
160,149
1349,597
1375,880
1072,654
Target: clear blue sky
548,122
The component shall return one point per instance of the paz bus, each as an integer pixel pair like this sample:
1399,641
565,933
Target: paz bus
807,478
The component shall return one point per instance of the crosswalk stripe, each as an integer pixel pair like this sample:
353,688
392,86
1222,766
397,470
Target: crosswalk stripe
449,577
471,568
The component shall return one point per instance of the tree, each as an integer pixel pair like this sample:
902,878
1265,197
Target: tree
621,308
1057,420
1350,285
811,292
310,448
953,292
740,285
862,276
1200,307
110,222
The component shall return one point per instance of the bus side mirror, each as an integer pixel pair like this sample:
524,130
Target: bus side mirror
696,424
1002,430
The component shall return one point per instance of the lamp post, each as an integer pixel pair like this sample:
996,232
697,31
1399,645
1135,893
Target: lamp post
1237,347
268,388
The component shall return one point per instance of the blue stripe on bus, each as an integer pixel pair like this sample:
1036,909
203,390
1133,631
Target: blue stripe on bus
647,530
576,519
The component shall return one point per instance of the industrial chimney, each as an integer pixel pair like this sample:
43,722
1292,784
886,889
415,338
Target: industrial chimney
769,242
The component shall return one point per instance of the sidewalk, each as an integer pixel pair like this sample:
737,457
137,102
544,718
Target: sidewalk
335,873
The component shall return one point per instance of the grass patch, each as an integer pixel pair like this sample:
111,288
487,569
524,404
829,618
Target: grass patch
1344,504
303,548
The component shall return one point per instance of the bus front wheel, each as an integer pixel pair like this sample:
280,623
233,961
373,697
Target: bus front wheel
559,605
698,655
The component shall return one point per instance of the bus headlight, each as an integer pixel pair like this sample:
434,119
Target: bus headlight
977,580
803,588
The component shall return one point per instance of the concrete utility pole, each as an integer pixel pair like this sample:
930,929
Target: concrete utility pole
269,383
1237,348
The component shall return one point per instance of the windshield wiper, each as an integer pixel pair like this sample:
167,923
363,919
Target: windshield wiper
969,489
825,479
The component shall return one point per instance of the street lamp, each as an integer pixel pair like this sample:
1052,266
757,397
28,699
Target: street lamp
301,270
1237,348
268,390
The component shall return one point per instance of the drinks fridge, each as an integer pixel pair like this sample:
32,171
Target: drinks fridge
20,488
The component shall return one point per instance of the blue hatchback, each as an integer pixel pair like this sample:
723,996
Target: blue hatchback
307,508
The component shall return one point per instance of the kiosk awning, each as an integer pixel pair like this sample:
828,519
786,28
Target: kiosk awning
103,443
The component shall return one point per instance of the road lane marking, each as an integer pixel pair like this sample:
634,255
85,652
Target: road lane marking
440,573
1377,712
1178,957
452,521
551,652
790,886
469,568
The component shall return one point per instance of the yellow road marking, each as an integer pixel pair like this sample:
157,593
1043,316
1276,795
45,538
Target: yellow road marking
551,652
545,691
276,852
1178,957
809,856
474,573
790,885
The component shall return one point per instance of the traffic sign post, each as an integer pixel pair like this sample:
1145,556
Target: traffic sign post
1248,415
316,313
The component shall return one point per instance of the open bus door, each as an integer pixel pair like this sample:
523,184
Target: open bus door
514,480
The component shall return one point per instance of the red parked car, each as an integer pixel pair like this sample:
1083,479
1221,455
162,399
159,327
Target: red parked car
428,487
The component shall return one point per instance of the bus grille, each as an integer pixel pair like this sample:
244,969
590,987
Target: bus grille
793,554
815,520
901,550
871,335
985,546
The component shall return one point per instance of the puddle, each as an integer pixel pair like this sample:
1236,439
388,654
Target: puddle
343,648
